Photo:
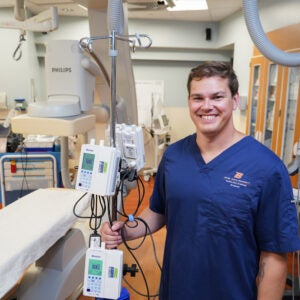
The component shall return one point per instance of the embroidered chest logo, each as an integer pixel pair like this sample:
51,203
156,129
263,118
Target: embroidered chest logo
238,175
237,181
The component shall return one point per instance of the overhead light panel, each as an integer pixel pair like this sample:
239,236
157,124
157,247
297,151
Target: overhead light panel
83,7
181,5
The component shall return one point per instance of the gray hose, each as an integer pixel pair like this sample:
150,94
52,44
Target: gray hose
262,42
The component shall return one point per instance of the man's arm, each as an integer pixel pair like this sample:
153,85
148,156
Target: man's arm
111,235
272,275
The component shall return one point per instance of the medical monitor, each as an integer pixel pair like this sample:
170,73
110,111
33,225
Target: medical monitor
160,122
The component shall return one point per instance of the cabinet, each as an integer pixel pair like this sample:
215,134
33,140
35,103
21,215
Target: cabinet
22,173
273,115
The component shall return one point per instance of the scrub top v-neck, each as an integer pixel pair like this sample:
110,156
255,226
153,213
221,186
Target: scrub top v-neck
220,215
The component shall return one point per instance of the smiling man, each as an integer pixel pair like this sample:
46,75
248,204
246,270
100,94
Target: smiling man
212,99
226,201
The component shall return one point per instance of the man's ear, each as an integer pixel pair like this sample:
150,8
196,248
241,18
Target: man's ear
236,101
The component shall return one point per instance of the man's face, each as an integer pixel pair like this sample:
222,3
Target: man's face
211,104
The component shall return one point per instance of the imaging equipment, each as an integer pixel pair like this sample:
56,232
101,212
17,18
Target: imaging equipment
70,80
70,85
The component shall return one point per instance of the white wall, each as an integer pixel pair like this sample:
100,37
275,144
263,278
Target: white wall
16,76
176,48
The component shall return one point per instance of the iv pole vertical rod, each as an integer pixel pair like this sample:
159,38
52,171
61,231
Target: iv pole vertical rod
113,53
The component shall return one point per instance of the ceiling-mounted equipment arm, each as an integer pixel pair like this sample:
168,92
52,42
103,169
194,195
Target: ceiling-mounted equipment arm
262,42
19,10
44,22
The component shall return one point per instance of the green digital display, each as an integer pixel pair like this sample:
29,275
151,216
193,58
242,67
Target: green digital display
88,161
95,267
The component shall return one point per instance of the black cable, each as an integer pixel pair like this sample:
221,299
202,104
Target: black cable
135,259
96,217
141,195
131,249
147,232
132,224
24,179
75,205
138,292
98,209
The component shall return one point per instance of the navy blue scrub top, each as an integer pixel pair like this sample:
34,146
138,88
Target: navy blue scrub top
220,215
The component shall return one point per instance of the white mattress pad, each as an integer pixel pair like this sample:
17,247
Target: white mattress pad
30,226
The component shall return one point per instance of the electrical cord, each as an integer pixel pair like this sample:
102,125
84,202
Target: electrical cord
129,223
98,209
24,169
96,216
24,184
131,249
132,222
140,196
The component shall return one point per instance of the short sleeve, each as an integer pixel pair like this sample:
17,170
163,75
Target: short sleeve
157,199
277,227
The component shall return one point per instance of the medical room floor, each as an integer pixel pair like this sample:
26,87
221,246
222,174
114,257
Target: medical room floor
144,255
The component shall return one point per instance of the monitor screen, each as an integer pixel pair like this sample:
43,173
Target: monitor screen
88,161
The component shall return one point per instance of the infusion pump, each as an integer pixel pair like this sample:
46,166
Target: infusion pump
130,143
103,272
99,165
98,169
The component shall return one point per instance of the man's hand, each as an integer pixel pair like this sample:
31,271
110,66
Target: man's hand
111,235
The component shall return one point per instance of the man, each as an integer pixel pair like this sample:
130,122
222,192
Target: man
226,201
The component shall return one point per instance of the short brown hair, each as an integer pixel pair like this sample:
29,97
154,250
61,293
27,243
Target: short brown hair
214,68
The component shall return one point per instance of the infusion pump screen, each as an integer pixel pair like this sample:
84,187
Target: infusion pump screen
88,161
95,267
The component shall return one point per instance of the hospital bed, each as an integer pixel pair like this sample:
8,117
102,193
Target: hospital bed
41,228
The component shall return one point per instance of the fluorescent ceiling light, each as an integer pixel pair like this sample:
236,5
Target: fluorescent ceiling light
81,6
181,5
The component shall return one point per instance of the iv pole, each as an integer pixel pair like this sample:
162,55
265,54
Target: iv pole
115,22
113,95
